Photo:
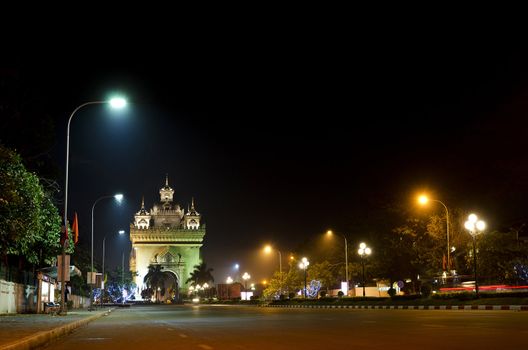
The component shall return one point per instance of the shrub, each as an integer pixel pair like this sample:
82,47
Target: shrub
322,294
340,293
391,292
291,295
425,290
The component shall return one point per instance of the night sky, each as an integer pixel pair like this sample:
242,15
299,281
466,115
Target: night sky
278,145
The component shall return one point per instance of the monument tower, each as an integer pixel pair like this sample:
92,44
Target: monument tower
168,236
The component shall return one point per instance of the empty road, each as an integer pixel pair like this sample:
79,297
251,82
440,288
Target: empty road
247,327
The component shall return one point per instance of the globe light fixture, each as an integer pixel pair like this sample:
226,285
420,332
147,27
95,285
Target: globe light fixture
475,227
304,265
363,252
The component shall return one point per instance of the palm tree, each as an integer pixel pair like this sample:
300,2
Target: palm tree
155,278
200,275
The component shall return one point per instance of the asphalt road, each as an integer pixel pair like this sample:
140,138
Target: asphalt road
247,327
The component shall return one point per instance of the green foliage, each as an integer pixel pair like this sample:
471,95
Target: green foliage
322,272
498,254
201,274
155,278
29,223
425,290
287,282
340,293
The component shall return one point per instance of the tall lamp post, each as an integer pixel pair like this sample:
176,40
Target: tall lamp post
118,197
267,250
304,265
330,233
423,201
114,103
363,251
229,280
121,232
475,227
245,277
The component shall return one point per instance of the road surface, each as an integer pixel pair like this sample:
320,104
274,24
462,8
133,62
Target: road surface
249,327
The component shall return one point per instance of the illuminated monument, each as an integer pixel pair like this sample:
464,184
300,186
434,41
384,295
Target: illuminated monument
169,236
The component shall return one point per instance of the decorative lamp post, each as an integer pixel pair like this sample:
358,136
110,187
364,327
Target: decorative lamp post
229,280
475,227
304,265
363,251
330,233
116,103
206,289
245,277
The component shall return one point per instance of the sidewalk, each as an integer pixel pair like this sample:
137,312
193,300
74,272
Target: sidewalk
27,331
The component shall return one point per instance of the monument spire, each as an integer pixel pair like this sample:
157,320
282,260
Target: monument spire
167,180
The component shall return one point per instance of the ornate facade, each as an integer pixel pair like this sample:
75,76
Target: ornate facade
169,236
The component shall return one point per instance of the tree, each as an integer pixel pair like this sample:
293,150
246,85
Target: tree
155,278
289,282
323,272
29,223
200,275
500,257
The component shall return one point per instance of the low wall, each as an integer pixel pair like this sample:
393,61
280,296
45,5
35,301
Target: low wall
7,297
79,302
17,298
21,298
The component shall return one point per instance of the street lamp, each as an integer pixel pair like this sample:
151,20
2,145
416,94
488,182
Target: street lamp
330,233
117,103
121,232
118,197
267,250
304,265
229,280
245,277
423,200
475,227
363,251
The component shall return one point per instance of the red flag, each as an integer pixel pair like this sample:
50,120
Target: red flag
75,229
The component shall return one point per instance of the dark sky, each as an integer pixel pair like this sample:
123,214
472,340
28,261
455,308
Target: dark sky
278,143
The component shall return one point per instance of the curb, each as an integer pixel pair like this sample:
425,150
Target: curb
410,307
44,337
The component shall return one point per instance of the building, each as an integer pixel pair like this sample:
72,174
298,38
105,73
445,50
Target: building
169,236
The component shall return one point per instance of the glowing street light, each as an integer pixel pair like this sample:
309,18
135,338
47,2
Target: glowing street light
304,265
119,198
116,104
245,277
363,251
330,233
120,232
229,280
475,227
423,200
268,249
